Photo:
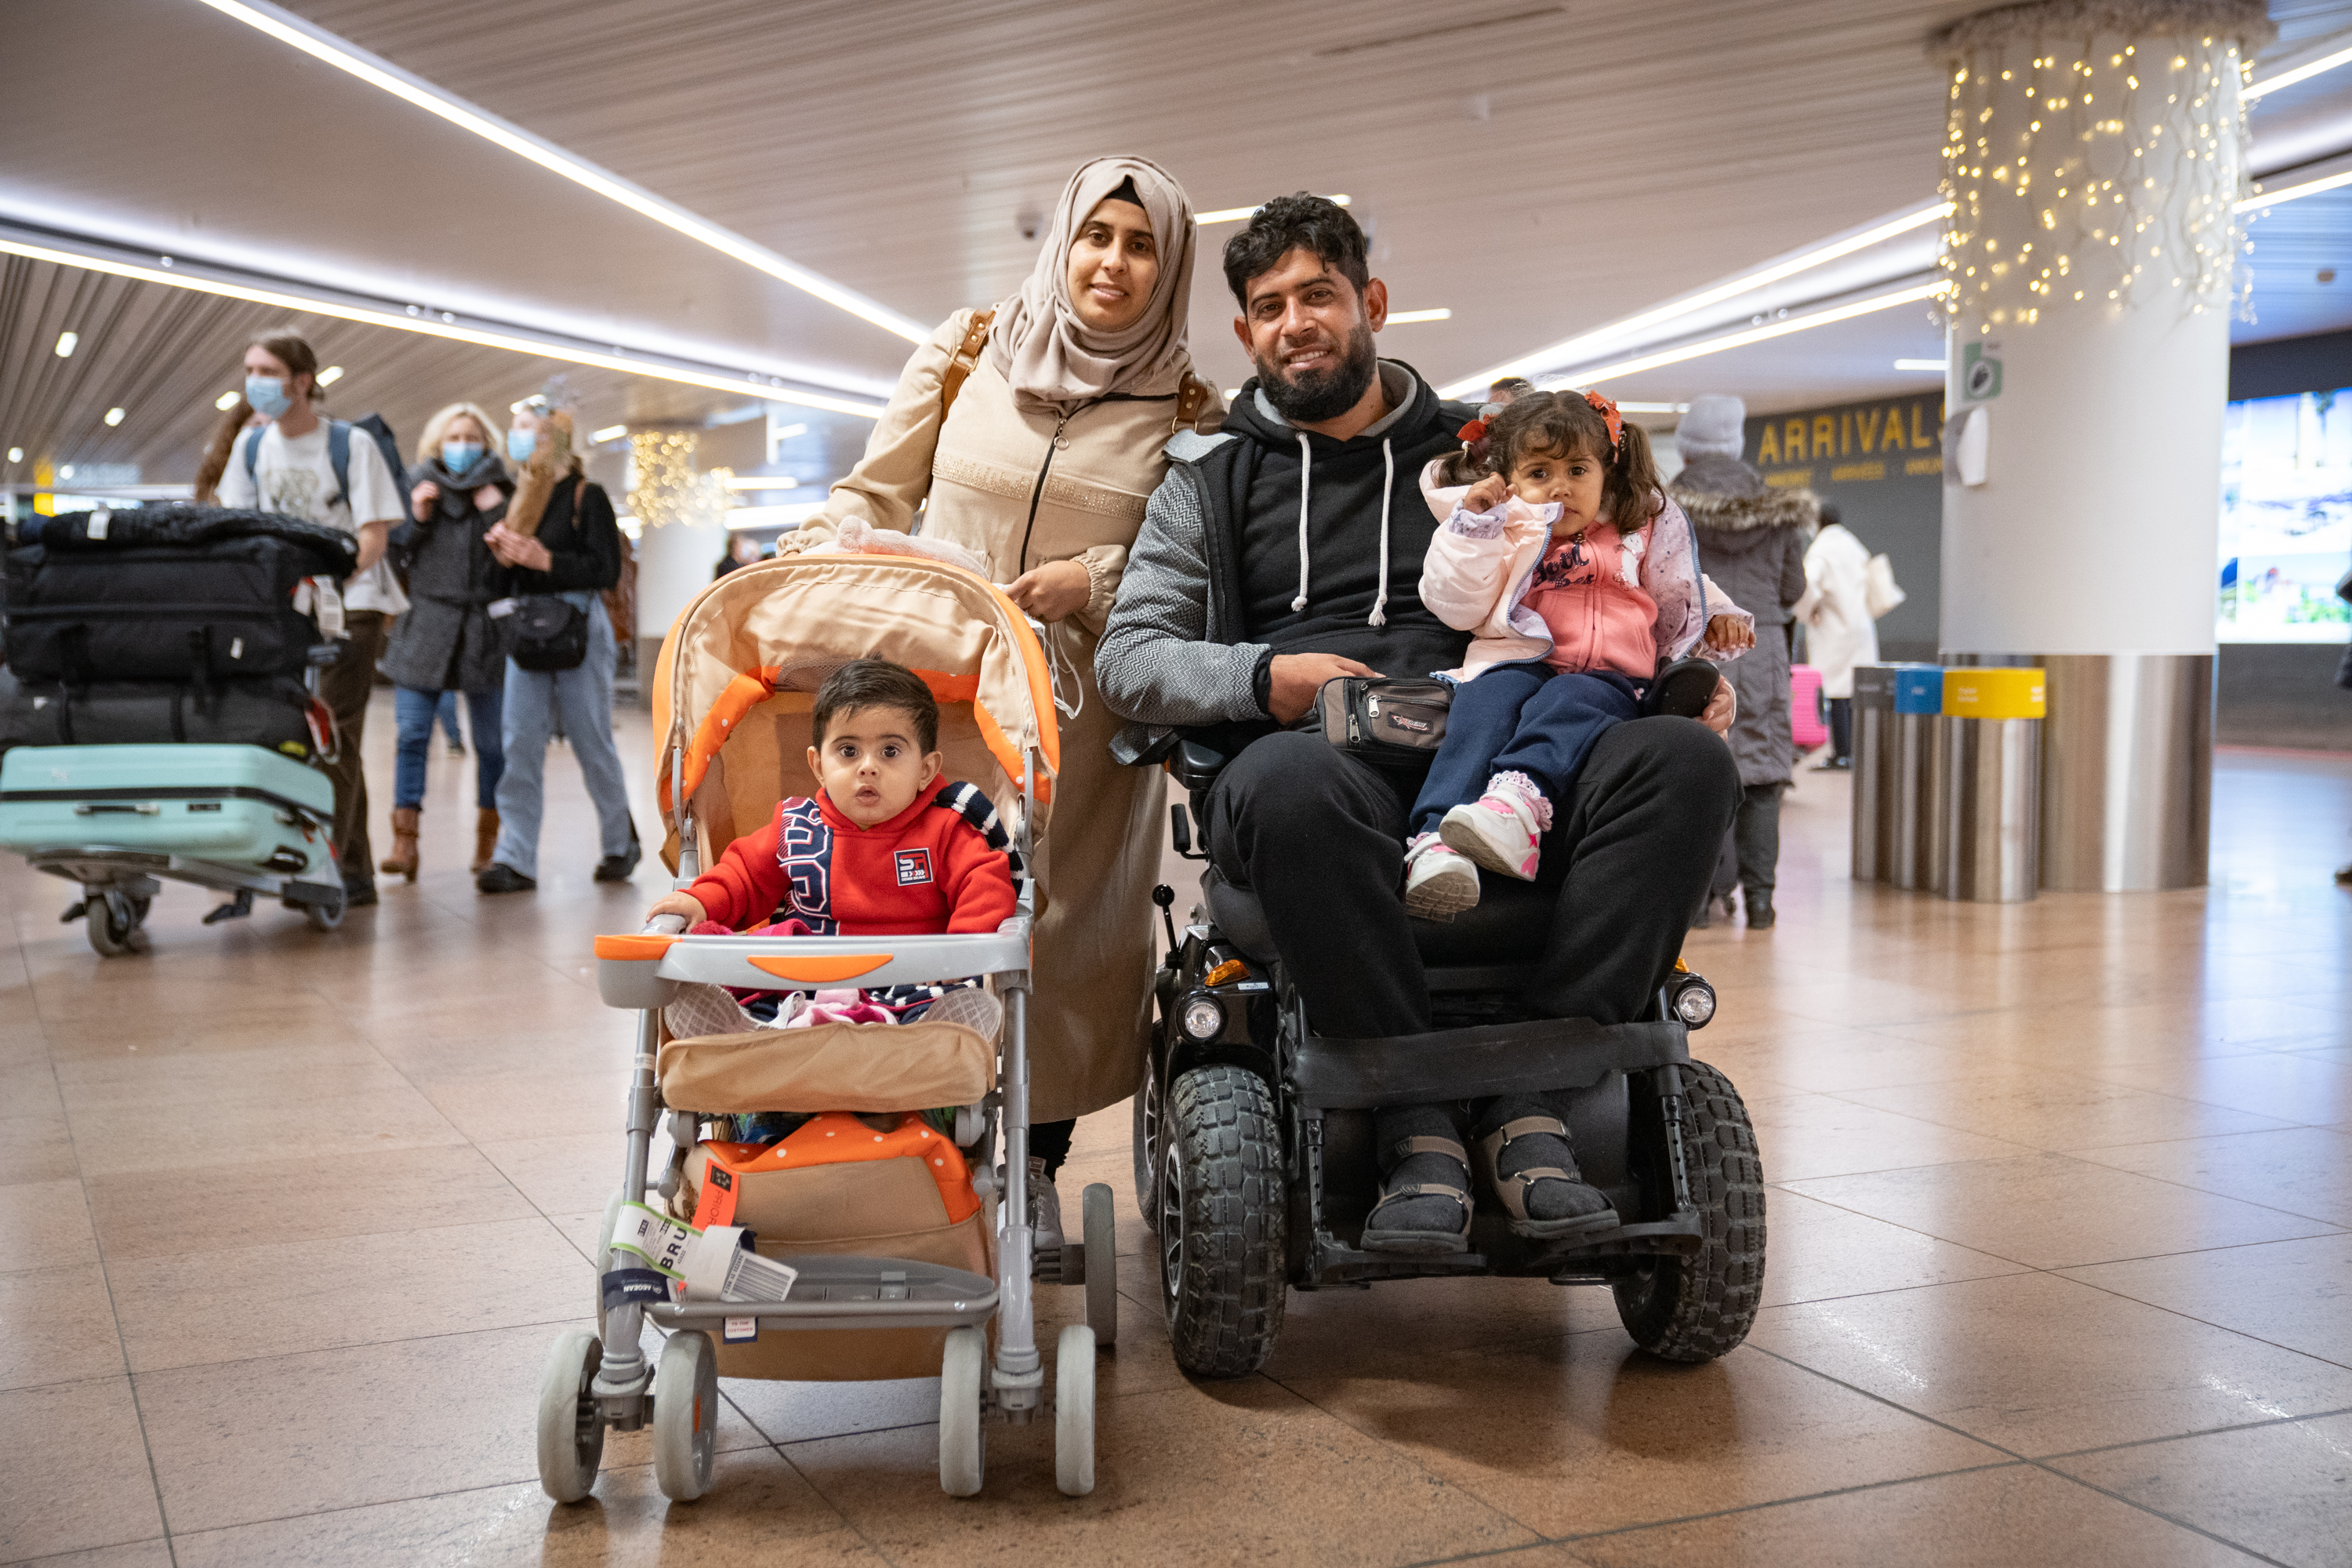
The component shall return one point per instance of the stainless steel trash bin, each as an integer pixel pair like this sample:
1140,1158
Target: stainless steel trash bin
1914,842
1874,772
1989,811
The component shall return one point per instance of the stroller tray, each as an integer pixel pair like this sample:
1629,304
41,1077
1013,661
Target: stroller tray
847,1292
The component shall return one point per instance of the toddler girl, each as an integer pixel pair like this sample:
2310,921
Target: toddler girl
1577,572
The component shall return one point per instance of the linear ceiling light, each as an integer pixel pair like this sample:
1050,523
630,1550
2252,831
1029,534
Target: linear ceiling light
332,374
320,44
2304,72
1564,352
2296,193
1751,335
432,326
1406,318
1229,214
66,342
1938,365
113,417
226,401
609,433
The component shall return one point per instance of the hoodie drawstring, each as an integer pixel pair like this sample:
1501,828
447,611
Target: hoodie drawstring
1306,473
1379,617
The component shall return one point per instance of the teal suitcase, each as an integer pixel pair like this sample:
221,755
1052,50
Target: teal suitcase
232,805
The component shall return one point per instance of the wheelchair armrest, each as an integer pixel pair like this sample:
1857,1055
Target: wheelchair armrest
1195,764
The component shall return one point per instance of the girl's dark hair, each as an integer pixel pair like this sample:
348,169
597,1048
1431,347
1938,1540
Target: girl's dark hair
296,352
1301,222
1563,423
875,683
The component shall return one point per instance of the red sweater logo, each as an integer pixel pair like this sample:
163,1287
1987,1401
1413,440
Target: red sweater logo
914,867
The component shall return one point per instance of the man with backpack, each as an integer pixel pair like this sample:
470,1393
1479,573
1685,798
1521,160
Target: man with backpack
328,472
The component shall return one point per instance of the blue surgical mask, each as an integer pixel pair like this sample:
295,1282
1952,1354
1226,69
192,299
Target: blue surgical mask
266,393
458,456
521,444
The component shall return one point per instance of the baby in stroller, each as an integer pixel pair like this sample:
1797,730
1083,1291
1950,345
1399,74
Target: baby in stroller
888,848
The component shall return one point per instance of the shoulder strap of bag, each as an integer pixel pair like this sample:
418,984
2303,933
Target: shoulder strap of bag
1191,396
253,453
338,458
962,363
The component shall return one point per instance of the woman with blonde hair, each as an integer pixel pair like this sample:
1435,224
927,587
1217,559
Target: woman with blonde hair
1031,435
446,641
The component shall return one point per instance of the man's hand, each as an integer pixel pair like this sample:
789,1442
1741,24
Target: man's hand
1728,634
1721,709
685,904
1487,494
513,549
1054,592
372,539
421,499
1294,678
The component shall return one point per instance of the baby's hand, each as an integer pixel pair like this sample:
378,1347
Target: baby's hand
1729,634
685,904
1487,494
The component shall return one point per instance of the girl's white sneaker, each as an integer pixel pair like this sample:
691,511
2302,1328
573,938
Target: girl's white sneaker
1502,829
1438,883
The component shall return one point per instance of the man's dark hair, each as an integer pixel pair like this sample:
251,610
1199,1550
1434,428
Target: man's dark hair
1301,222
877,683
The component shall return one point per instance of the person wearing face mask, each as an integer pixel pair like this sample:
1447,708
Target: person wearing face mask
1031,435
560,540
447,641
288,467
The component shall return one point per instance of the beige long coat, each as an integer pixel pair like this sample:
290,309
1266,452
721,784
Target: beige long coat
974,479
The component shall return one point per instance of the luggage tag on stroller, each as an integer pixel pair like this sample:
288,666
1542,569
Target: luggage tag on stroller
499,609
713,1264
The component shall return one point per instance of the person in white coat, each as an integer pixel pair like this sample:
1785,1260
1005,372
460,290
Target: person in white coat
1839,631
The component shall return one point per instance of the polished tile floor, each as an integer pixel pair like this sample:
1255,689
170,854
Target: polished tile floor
2060,1238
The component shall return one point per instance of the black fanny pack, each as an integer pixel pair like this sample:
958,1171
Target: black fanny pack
549,634
1390,722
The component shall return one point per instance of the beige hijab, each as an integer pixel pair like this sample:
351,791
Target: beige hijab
1041,346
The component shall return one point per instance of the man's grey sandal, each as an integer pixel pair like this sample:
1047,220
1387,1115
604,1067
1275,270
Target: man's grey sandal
1380,1239
1513,1189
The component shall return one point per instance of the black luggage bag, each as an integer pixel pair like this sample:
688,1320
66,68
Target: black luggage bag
165,594
272,711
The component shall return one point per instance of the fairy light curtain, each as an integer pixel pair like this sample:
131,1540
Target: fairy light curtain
2094,156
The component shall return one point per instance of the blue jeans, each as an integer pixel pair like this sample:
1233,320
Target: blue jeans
447,713
1520,717
413,712
582,698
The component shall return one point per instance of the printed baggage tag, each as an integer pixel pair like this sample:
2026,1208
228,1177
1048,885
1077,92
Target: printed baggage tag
499,609
642,1286
740,1331
660,1240
100,522
721,1267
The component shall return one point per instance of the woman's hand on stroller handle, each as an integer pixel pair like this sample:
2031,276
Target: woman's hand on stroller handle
1053,592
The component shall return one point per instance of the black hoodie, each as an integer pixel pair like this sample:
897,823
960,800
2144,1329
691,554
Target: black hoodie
1327,597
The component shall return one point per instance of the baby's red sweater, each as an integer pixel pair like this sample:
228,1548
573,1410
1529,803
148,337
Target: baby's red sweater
928,869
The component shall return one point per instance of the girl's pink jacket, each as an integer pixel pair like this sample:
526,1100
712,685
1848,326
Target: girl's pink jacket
1645,595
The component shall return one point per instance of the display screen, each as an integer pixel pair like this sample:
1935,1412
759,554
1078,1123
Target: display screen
2287,518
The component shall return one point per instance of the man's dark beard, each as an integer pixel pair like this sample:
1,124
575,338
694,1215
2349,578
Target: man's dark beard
1317,396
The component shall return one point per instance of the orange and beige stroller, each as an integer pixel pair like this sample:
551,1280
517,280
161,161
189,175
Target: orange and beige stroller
873,1247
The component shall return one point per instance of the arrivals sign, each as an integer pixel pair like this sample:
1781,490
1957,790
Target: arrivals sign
1852,443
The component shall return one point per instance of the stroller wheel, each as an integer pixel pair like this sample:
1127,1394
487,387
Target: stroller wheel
686,1415
1074,1408
963,1440
570,1428
1095,1207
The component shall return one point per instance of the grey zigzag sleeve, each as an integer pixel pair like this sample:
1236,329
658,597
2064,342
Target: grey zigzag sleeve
1153,663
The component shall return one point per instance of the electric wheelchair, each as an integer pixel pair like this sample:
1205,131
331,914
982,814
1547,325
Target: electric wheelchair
1254,1161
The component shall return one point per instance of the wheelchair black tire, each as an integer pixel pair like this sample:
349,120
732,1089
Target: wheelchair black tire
1145,1142
1696,1309
1222,1222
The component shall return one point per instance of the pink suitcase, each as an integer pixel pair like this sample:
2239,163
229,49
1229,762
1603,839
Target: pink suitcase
1805,722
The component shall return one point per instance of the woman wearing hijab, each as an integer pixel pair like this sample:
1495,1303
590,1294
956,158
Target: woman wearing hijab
446,641
1062,397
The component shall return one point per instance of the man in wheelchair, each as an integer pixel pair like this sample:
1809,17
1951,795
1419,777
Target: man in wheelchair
1276,555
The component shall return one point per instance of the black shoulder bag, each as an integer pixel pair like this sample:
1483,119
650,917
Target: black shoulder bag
549,634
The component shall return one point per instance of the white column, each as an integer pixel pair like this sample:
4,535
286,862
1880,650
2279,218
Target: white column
2094,256
682,530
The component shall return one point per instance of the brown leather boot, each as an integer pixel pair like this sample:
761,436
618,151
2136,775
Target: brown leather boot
486,837
402,861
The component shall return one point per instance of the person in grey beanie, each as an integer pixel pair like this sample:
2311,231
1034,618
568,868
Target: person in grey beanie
1751,541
